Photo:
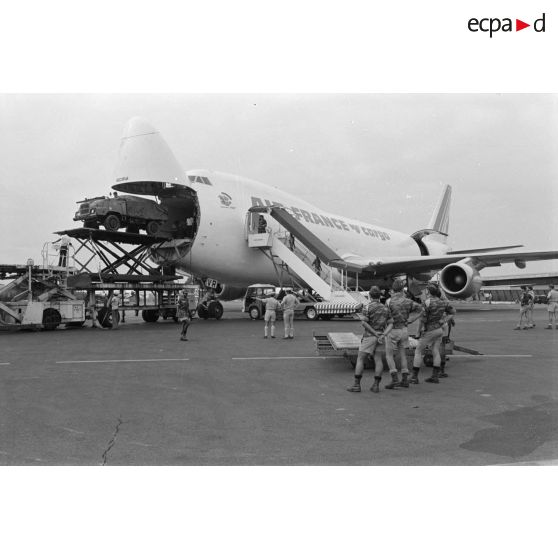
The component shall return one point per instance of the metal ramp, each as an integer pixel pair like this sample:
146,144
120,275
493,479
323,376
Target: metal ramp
109,262
337,298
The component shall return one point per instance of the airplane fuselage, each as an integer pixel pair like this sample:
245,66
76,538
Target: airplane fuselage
221,232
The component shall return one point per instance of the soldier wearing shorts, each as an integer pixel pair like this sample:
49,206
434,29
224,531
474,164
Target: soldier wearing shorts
183,314
271,305
288,305
437,313
552,298
525,302
377,324
397,340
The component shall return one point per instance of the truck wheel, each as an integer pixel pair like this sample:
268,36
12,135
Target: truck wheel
254,312
311,313
152,228
51,319
215,310
112,222
150,315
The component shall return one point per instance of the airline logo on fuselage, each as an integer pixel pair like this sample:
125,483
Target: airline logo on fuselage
225,199
317,219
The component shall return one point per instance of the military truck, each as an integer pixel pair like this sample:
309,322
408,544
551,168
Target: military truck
132,212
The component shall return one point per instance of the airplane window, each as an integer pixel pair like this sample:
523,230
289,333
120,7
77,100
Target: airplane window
200,179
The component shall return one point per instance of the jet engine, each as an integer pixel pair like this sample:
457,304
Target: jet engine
229,292
461,279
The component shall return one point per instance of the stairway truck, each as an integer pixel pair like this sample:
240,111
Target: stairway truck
132,212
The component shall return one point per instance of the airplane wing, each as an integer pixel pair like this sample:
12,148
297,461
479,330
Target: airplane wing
390,266
422,264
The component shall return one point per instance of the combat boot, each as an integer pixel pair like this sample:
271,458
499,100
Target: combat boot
434,378
394,381
414,378
376,385
355,388
404,379
442,373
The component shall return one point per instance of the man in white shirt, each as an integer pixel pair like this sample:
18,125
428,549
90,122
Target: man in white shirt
288,305
271,304
552,298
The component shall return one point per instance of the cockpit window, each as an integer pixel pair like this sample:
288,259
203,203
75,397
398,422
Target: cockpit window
201,179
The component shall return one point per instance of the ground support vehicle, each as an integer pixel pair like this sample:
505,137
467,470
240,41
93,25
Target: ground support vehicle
346,344
253,302
38,299
108,262
132,212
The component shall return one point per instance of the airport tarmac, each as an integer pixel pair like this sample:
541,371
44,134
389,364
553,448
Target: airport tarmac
140,396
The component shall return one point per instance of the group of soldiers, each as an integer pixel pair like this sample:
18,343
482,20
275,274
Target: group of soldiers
527,303
386,324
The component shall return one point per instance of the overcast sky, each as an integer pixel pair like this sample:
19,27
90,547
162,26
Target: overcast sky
378,158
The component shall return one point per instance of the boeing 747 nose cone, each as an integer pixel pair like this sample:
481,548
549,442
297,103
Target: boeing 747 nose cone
145,162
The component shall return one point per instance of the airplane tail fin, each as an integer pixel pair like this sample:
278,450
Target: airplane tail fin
439,222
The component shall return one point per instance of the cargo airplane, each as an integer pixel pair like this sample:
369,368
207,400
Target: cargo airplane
209,214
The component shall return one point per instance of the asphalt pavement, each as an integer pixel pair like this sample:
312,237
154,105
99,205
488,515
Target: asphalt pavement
140,396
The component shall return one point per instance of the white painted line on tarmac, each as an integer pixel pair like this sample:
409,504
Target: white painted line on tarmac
286,358
72,430
121,360
490,356
4,363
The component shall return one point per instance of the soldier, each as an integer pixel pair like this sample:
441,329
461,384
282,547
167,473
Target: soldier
377,324
524,301
183,313
531,293
437,313
400,308
114,304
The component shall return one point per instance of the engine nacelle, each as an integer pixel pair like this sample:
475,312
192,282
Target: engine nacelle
229,292
460,279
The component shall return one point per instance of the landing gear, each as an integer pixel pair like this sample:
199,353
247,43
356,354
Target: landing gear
212,310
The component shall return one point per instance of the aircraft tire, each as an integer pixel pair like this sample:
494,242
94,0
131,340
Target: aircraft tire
215,310
112,222
51,319
202,312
